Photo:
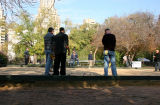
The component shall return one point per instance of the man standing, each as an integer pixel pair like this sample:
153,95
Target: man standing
26,56
90,59
109,42
48,42
61,47
157,60
125,60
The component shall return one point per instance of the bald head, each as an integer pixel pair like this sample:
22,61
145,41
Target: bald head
157,51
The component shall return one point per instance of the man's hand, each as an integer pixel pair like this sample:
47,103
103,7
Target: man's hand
52,55
68,50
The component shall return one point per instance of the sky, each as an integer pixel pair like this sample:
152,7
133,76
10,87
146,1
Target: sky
78,10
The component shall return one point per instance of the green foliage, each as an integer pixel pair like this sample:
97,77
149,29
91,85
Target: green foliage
28,37
142,54
99,55
3,60
83,54
81,39
119,58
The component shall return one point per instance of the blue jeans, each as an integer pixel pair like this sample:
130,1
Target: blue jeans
74,62
110,57
157,66
49,62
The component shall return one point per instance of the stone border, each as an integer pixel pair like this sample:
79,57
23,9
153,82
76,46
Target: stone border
80,80
22,78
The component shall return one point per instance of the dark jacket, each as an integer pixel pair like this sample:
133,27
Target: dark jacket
61,43
74,57
157,57
48,41
109,42
90,57
26,54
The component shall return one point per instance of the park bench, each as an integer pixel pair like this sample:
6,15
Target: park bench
97,62
86,62
83,62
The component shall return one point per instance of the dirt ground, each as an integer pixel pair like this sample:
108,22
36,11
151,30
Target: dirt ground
147,71
64,95
127,95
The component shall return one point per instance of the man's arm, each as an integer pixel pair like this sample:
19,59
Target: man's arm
114,39
25,54
53,44
44,43
77,56
67,42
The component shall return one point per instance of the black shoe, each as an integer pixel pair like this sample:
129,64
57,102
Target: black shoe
55,74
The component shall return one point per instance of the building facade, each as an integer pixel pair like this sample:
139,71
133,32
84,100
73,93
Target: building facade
89,21
2,28
48,14
12,40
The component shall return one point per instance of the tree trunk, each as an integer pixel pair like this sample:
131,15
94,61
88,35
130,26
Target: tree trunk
132,57
95,54
35,59
40,60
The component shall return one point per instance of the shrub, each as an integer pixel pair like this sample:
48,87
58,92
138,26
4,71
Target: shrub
17,61
3,60
119,59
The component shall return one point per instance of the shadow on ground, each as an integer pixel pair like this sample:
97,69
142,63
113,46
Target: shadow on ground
86,95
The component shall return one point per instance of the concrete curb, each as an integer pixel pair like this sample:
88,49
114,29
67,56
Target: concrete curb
78,81
73,78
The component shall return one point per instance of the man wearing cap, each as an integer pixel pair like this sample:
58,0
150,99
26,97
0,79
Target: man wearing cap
48,42
109,42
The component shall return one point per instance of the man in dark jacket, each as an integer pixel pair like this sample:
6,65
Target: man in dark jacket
109,42
61,47
48,42
26,56
157,60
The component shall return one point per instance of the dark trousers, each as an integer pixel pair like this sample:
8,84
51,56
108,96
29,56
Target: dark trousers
26,61
60,59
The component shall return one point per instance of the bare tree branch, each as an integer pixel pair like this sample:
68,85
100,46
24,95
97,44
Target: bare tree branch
13,6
